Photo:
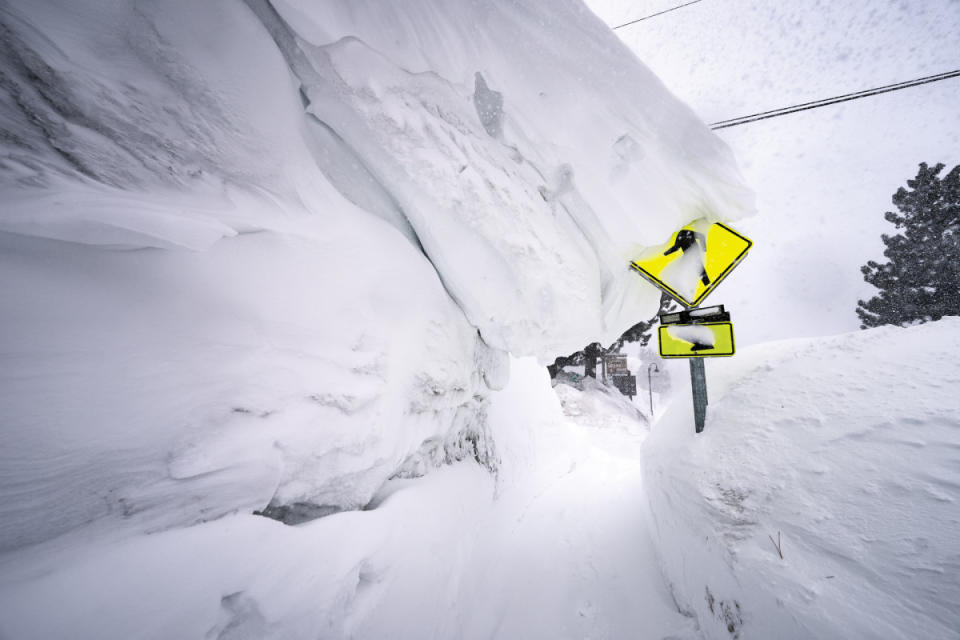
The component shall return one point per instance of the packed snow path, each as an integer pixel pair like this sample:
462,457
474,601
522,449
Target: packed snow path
563,552
571,551
556,546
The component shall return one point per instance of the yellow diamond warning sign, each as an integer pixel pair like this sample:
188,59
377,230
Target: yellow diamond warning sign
696,340
697,258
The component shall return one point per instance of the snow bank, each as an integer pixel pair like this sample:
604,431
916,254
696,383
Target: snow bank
247,248
556,545
244,576
530,186
589,399
846,450
195,384
521,146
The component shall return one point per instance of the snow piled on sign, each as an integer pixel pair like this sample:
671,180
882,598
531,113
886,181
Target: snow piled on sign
841,454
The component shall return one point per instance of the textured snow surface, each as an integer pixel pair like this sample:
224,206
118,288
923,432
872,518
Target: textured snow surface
160,388
846,448
521,146
273,254
825,444
556,545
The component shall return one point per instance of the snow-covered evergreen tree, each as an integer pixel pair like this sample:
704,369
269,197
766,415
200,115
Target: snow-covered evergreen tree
920,281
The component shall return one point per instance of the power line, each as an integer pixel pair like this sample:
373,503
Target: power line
654,15
842,98
773,113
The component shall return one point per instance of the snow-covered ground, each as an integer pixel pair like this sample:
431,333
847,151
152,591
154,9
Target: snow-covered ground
307,260
269,255
843,450
556,544
593,527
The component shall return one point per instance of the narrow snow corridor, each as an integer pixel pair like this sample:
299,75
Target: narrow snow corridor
572,555
557,545
563,550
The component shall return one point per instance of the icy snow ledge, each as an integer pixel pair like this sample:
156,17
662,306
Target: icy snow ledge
533,162
150,389
109,217
519,144
847,448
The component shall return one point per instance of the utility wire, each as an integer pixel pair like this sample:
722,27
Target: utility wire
773,113
763,115
654,15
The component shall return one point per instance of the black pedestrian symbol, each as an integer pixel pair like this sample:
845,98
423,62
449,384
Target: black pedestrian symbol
687,239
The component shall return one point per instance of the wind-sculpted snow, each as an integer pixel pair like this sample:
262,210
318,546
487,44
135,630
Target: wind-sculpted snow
841,456
529,185
529,216
155,388
556,546
266,255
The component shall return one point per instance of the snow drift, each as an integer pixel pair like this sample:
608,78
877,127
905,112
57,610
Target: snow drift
267,255
521,146
841,455
557,546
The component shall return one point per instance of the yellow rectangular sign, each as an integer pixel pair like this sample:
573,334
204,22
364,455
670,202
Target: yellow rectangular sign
710,339
697,258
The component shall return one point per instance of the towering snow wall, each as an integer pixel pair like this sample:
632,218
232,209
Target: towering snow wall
272,252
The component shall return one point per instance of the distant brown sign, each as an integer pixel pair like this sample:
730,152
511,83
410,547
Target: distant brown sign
617,365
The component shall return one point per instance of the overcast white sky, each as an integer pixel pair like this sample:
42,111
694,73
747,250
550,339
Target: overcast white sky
823,177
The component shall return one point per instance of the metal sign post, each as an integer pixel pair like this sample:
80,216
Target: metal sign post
698,382
652,365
